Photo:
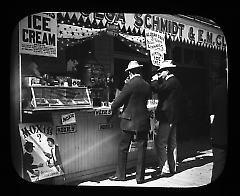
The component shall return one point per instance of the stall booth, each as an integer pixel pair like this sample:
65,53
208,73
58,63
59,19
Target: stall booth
67,61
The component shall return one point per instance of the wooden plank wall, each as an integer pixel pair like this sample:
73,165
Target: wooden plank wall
89,151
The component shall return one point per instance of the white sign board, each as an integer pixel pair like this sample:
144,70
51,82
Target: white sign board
38,34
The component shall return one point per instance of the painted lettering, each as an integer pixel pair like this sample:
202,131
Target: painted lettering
110,17
209,37
99,16
200,33
155,23
38,23
219,40
163,25
174,28
120,17
138,20
191,35
147,21
181,27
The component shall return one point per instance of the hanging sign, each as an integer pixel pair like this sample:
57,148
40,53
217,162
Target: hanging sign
157,57
155,41
38,164
38,34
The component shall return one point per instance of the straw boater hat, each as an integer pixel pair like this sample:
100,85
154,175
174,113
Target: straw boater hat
132,65
166,64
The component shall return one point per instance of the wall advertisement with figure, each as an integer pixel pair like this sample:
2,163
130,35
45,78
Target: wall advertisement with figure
38,164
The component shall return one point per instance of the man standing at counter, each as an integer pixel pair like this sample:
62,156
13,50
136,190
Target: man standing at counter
135,120
168,89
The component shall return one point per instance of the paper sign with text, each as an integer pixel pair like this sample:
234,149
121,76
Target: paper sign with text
38,34
155,41
156,57
68,118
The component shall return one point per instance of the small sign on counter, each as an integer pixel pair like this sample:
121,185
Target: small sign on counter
103,111
68,118
66,129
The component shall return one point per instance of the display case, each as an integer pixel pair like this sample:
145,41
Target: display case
59,97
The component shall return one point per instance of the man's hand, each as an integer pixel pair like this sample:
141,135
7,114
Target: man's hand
155,77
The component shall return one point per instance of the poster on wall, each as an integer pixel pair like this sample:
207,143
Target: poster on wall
41,154
38,34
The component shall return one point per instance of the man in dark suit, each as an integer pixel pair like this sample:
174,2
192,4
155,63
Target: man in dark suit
219,130
168,88
28,160
55,155
135,120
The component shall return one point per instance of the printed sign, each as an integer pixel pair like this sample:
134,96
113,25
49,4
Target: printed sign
68,118
105,126
103,112
38,159
155,41
66,129
38,34
156,57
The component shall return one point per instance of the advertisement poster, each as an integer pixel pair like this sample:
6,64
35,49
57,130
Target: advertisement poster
41,154
155,43
156,57
38,34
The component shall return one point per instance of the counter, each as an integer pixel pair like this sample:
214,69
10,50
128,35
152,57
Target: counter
88,144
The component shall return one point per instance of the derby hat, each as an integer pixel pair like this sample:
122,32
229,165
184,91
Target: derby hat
29,144
132,65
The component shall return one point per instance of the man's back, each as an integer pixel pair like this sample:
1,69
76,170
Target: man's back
134,96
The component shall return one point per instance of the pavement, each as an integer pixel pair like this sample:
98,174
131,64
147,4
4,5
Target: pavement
193,171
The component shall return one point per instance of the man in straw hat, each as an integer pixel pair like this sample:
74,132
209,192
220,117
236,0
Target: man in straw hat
168,89
135,121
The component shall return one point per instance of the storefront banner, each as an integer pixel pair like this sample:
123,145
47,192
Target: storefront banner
36,134
155,41
38,35
174,27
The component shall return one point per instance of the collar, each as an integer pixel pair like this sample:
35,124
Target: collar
169,76
135,75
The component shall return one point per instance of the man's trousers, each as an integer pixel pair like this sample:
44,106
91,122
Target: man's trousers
166,146
123,147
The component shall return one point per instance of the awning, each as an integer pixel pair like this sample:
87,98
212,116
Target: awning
132,27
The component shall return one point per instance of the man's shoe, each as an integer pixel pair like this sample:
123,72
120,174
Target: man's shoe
115,178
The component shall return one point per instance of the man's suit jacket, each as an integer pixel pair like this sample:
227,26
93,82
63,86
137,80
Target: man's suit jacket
58,160
169,96
134,96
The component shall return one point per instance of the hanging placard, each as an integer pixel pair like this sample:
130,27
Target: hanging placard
156,57
38,34
155,41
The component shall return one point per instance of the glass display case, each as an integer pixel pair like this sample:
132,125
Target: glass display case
59,97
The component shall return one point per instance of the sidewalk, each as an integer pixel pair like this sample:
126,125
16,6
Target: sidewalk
192,172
